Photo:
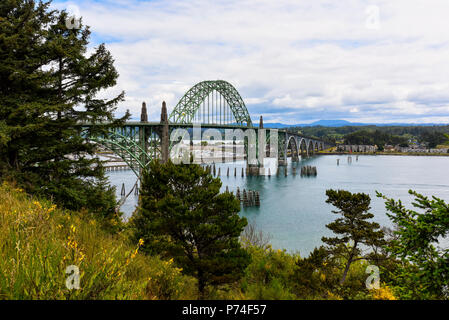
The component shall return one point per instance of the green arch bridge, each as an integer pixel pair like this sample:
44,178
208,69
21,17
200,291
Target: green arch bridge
209,108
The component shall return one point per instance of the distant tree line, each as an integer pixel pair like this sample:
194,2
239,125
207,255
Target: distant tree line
432,136
375,137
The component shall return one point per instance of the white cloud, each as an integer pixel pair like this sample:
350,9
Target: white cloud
305,60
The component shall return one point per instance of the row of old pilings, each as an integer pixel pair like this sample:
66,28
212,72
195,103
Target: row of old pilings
248,198
212,170
308,171
349,159
123,191
305,171
118,167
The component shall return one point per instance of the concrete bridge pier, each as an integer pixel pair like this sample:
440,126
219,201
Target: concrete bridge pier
282,162
256,169
164,134
143,137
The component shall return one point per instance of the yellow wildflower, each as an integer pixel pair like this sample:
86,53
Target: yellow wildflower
383,293
37,204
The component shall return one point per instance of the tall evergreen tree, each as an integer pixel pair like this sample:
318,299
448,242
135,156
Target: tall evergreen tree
353,227
48,87
184,215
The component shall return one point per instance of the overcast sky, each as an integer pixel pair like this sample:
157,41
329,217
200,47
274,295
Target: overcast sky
293,61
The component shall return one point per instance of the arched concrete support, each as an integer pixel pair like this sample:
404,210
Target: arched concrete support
310,150
293,144
303,147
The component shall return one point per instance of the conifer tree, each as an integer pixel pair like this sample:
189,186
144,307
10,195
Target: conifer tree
183,215
418,243
48,87
353,227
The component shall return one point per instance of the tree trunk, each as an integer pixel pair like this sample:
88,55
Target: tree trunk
348,264
201,285
345,273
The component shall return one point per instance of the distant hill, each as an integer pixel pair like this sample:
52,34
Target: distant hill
342,123
335,123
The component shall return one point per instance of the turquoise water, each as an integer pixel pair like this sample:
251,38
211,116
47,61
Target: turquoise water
293,210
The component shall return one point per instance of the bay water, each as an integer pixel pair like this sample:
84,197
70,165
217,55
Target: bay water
293,211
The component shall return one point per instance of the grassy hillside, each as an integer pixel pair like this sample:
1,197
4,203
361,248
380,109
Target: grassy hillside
39,241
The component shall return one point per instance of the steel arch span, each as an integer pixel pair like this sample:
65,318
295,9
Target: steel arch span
190,103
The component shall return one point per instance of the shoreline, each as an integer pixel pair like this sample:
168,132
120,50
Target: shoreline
385,154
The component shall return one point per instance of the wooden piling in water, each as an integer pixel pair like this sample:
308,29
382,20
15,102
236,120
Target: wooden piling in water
245,198
123,192
257,199
308,171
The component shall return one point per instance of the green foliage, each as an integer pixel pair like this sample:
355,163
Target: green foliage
39,241
183,215
352,227
371,134
375,137
433,138
316,275
424,270
48,86
269,274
